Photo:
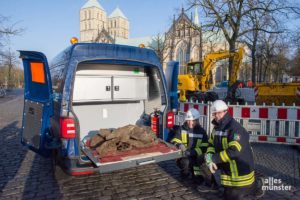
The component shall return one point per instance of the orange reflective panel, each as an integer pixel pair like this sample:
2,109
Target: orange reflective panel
37,72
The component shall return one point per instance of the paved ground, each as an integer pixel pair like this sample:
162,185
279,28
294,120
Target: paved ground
25,175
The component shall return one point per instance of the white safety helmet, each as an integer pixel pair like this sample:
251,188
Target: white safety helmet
192,114
218,106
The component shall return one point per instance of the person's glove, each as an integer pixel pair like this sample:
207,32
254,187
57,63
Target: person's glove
182,147
212,167
210,164
208,158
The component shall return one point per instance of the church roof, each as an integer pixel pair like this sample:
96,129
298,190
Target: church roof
92,3
117,13
147,41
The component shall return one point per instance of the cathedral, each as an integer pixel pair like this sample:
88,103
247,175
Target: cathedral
182,40
97,26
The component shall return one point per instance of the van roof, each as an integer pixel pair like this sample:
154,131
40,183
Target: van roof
108,53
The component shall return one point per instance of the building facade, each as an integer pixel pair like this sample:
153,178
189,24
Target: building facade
97,26
185,42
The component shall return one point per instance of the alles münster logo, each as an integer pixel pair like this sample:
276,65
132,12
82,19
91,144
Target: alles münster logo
271,183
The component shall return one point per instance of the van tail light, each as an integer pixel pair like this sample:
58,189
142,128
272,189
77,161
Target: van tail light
67,128
155,123
170,119
82,173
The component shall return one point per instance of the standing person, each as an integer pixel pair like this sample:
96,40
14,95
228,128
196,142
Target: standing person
192,139
230,151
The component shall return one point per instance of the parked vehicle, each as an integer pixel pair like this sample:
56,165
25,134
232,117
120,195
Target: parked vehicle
2,91
195,84
87,87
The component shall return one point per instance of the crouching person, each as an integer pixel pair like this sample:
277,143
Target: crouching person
192,139
230,151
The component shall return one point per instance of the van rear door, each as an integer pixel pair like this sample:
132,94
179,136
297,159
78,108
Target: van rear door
38,105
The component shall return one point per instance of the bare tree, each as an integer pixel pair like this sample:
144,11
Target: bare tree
158,45
6,30
10,62
259,20
267,45
231,17
295,63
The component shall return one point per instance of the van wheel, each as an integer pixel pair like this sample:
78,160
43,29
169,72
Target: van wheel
58,173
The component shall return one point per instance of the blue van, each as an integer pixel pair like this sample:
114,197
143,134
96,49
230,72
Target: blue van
88,87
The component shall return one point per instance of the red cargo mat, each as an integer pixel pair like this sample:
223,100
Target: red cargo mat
119,156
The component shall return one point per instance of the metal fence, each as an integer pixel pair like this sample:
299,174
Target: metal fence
268,124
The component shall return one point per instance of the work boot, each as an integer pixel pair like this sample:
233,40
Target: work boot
204,188
184,174
258,191
198,179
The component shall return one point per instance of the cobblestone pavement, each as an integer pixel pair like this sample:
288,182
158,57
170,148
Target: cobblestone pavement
25,175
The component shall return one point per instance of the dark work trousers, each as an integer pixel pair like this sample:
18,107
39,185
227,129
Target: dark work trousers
186,164
237,193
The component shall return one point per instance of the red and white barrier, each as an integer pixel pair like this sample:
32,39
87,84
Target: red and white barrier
201,107
271,124
265,112
255,92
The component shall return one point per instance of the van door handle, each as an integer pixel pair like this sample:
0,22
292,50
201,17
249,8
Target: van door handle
117,88
107,88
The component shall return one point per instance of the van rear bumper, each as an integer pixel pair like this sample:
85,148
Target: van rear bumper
126,163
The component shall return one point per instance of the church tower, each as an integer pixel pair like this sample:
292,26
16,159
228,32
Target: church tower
118,24
93,19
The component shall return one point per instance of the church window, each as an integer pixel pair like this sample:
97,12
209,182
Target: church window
85,25
115,23
90,14
90,25
181,58
85,14
187,32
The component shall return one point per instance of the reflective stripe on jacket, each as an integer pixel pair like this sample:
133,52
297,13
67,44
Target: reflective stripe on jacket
194,140
229,144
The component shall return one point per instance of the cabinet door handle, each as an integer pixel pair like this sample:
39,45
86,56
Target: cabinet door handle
107,88
117,88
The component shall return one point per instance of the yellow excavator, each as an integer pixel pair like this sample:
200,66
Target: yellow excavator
198,78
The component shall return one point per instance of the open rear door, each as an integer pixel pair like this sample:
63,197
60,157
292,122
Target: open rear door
38,105
172,83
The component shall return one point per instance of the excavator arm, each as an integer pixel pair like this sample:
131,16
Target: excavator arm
210,59
195,84
237,62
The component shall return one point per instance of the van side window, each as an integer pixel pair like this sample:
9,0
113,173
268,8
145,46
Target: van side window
57,77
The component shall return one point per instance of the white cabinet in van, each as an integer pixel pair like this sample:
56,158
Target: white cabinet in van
130,88
92,88
89,88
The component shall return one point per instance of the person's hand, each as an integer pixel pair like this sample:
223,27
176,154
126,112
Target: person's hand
212,167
